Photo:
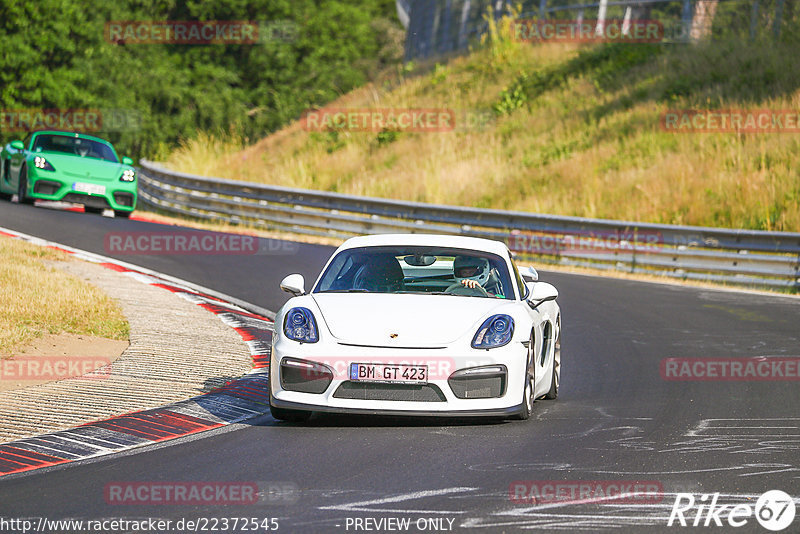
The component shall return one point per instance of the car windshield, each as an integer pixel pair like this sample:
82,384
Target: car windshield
426,270
76,146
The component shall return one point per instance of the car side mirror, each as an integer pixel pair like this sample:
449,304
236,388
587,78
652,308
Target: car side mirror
529,274
17,145
294,284
541,292
127,161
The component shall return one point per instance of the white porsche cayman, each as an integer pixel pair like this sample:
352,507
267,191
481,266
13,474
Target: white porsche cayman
416,325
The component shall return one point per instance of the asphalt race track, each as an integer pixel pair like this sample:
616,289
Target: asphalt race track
616,419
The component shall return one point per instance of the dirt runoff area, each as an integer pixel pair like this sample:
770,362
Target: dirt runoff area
55,357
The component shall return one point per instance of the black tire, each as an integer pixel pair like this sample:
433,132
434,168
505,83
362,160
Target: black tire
526,407
555,380
90,209
122,214
283,414
291,416
3,176
22,198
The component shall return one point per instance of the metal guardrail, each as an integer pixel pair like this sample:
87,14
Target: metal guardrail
742,257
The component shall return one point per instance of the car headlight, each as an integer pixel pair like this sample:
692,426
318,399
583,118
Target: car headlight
495,331
299,325
40,163
128,175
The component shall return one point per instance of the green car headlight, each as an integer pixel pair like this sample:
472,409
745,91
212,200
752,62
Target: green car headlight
128,175
40,163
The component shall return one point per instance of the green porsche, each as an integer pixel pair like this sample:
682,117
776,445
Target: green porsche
70,167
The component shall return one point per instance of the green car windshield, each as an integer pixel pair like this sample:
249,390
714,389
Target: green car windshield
76,146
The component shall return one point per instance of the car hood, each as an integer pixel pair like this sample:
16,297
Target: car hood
419,321
86,168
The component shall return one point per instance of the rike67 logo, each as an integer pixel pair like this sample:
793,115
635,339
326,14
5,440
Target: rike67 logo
774,510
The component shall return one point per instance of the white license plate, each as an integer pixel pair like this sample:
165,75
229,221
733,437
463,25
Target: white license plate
399,373
92,189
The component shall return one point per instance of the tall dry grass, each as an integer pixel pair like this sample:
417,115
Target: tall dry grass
588,144
36,299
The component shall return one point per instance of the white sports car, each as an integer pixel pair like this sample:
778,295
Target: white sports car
416,325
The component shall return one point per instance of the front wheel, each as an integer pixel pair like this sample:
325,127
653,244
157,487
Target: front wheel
122,214
22,187
291,416
556,378
530,383
285,414
4,177
90,209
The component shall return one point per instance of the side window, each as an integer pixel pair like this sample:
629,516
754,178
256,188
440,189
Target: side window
523,289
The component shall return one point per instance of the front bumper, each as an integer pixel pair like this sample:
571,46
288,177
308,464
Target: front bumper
493,412
446,403
48,185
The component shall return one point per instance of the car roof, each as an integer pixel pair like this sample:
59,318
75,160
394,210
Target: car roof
436,240
71,133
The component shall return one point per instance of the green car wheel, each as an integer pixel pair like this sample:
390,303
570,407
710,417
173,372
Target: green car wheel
22,196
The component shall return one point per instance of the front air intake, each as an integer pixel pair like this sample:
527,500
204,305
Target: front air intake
389,392
479,382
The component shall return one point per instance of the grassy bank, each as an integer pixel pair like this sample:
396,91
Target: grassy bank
36,299
573,130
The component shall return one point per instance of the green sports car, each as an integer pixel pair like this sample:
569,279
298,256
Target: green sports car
70,167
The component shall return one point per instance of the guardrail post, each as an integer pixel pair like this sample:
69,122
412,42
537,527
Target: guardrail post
462,27
754,20
686,19
776,25
626,20
601,18
447,45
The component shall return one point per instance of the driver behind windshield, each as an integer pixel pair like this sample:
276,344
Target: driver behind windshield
473,272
